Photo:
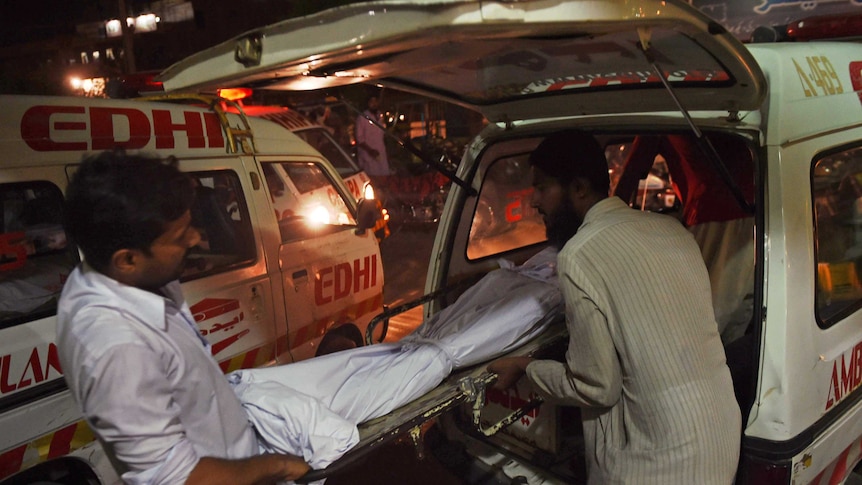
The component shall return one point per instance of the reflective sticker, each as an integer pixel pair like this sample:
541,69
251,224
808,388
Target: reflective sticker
836,472
52,445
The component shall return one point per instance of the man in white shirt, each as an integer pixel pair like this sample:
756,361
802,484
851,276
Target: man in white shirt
645,362
132,355
370,140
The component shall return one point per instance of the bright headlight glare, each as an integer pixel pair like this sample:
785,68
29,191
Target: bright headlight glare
318,215
368,191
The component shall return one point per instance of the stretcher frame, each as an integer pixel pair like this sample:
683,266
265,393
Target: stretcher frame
462,387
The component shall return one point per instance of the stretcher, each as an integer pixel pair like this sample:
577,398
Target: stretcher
464,387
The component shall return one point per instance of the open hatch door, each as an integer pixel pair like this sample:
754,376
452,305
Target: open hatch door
508,60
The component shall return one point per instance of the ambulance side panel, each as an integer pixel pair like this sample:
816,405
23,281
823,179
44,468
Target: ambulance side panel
251,294
808,405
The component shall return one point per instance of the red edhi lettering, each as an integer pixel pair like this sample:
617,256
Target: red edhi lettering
78,128
339,281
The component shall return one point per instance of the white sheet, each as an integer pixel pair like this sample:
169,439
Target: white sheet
499,313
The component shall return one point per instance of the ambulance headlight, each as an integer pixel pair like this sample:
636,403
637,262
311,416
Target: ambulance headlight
318,215
368,192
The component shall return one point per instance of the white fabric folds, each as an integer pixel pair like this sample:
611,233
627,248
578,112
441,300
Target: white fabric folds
311,408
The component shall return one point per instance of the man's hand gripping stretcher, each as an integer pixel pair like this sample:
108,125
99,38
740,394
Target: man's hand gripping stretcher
312,408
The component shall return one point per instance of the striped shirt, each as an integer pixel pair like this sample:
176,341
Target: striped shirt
645,361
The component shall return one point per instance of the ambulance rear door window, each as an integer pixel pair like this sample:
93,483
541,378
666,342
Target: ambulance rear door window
36,256
504,219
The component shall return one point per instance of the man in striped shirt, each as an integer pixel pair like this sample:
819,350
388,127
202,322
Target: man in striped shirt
645,362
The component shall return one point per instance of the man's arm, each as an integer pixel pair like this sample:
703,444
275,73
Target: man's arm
592,375
257,470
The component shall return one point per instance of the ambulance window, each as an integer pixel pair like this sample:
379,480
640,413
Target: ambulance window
305,200
221,215
35,255
323,142
837,200
504,219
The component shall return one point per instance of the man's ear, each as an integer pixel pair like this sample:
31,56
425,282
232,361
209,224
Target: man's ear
579,188
124,261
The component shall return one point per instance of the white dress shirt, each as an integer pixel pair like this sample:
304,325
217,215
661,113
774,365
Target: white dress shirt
372,135
145,379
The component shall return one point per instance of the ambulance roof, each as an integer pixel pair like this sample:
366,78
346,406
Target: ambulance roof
814,87
55,129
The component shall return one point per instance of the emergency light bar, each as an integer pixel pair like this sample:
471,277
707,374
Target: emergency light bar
820,27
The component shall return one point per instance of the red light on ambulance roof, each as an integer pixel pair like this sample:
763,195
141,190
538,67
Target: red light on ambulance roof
825,27
234,94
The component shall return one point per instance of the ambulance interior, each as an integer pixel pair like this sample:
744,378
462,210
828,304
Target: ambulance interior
663,172
35,255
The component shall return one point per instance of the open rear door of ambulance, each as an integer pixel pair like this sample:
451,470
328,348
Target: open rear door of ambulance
510,60
513,61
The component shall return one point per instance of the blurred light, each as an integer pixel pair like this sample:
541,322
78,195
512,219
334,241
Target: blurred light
87,85
235,94
75,82
368,191
113,28
318,215
146,23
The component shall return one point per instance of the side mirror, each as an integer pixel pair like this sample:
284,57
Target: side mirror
367,215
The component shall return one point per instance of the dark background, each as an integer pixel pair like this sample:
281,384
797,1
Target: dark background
41,41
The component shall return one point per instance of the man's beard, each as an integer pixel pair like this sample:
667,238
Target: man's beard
562,224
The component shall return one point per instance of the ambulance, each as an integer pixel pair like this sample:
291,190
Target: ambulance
319,137
288,267
774,150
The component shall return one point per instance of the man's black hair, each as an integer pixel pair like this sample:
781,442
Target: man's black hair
118,201
570,154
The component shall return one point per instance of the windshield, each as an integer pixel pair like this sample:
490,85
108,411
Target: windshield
322,141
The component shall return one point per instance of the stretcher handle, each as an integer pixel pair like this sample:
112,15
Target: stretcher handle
475,390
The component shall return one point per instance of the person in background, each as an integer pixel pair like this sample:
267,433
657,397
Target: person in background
644,362
370,142
133,357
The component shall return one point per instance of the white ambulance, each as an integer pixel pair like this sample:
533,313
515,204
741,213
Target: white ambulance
319,137
776,131
287,254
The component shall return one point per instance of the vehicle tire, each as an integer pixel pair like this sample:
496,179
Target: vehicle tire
340,338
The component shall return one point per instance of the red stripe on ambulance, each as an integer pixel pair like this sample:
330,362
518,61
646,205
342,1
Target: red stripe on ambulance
837,471
351,313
